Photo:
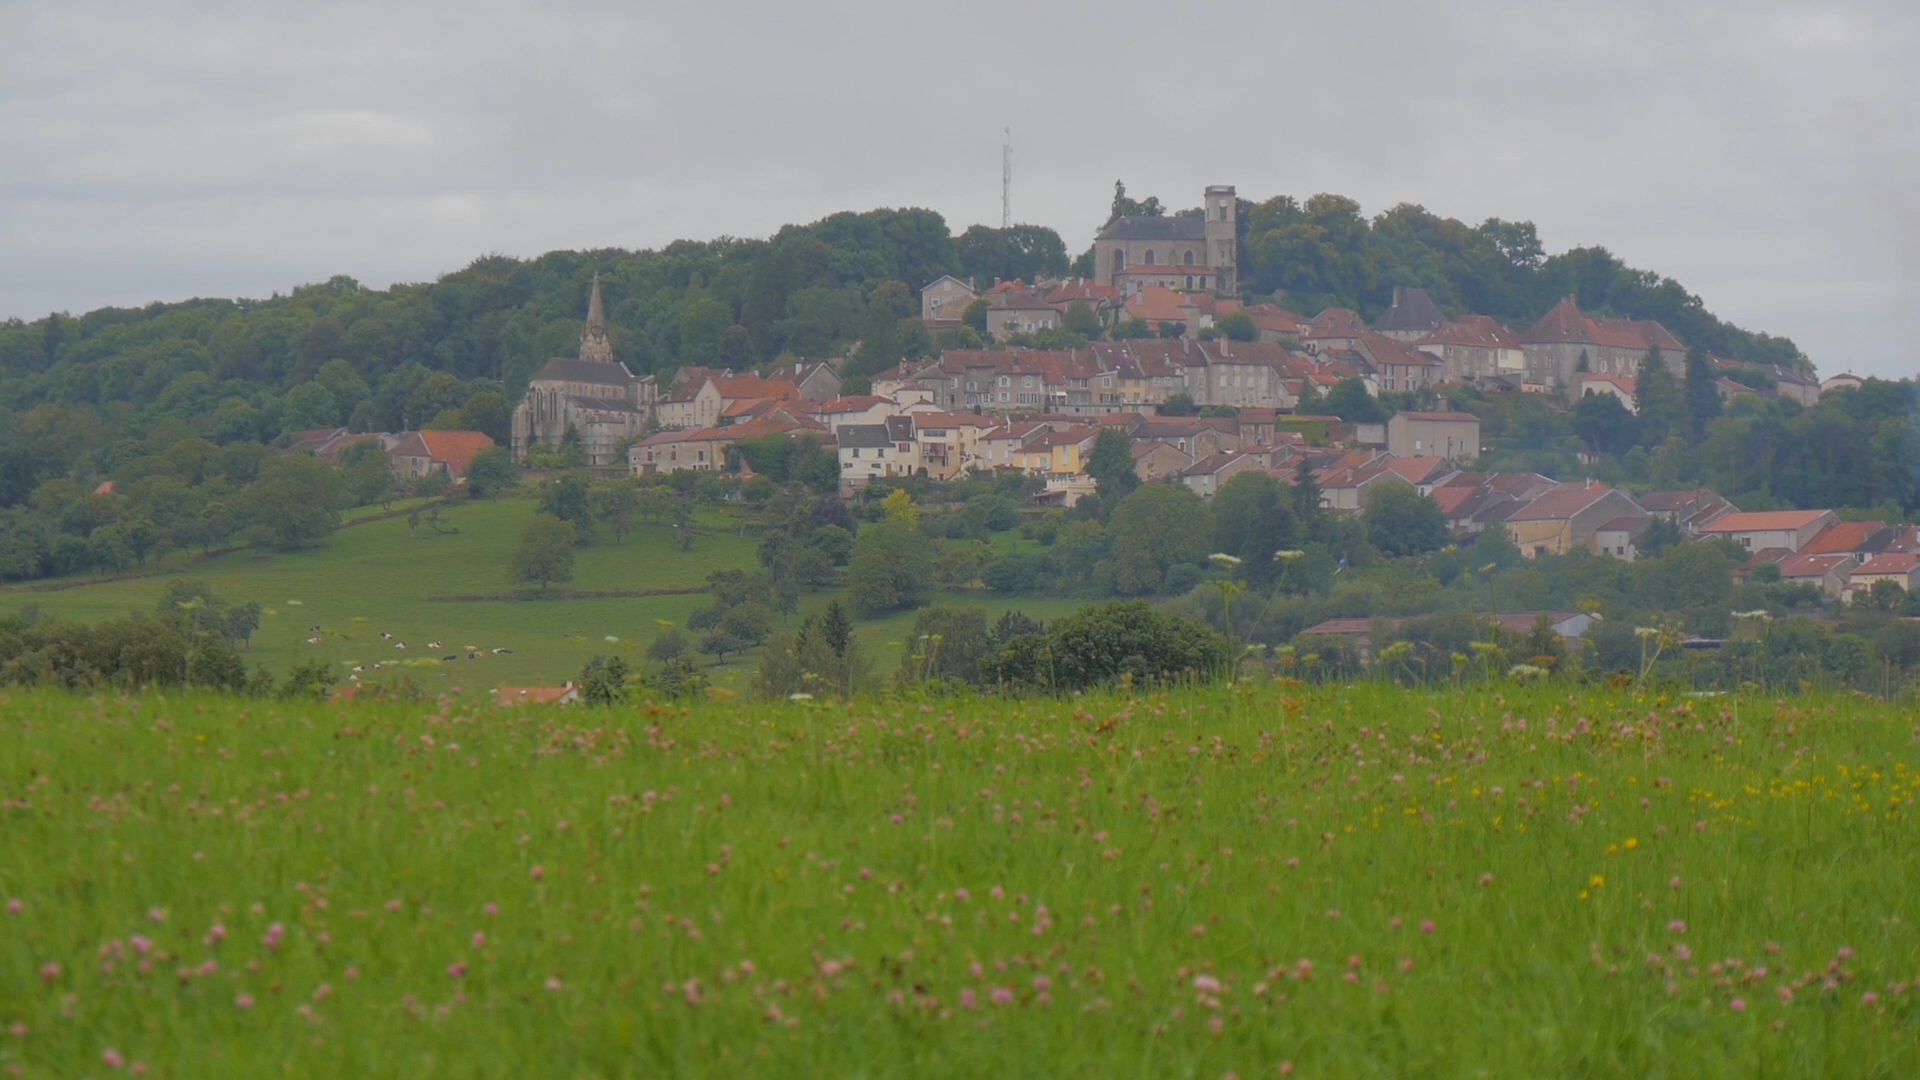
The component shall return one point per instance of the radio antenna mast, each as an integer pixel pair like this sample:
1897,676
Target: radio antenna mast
1006,181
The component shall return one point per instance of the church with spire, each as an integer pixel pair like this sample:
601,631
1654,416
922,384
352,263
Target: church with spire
592,395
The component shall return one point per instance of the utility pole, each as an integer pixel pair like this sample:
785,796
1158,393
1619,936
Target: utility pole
1006,181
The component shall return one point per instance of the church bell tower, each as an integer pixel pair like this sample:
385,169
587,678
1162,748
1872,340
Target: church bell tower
594,343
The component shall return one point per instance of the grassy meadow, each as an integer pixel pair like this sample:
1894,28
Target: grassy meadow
378,576
1250,882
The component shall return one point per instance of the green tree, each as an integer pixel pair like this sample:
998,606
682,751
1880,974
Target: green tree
346,386
1155,529
1703,397
1081,320
603,681
1180,404
491,472
1663,412
1401,521
1017,253
488,413
670,645
368,472
1350,401
569,499
1100,645
1123,206
307,407
1307,508
1238,326
1687,576
1495,547
1253,519
1111,464
616,505
545,554
296,502
1605,425
945,644
892,567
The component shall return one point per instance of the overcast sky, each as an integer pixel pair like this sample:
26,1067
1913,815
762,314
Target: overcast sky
1765,154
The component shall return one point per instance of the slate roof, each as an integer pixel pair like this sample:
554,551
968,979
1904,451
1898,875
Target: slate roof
864,436
1154,228
1412,310
561,369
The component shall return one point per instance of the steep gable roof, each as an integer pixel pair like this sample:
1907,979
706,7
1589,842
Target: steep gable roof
1563,502
1412,311
597,372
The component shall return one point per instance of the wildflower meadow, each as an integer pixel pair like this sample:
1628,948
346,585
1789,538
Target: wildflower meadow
1212,882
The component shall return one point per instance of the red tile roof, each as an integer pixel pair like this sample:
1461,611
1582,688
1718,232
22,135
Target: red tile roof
1562,502
1565,324
1766,521
856,403
454,449
1807,565
1902,563
1849,537
1416,470
1387,351
1474,331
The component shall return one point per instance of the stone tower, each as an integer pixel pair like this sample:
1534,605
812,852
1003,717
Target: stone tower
594,343
1223,236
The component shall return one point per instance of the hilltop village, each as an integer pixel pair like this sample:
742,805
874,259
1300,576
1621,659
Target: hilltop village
1205,386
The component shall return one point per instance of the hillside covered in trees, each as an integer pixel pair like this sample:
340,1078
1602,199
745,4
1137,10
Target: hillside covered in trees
146,397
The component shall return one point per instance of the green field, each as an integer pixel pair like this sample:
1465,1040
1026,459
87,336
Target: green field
1261,882
379,577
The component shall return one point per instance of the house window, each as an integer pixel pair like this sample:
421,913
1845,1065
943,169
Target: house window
1026,380
1005,380
856,451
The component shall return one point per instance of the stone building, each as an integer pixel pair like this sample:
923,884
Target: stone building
1451,435
1475,348
944,302
1565,342
1208,244
593,395
1413,316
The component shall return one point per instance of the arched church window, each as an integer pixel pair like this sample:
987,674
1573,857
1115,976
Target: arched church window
1189,258
1149,256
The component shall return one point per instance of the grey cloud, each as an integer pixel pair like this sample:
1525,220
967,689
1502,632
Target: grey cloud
1763,153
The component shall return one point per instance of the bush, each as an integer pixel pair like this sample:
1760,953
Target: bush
603,681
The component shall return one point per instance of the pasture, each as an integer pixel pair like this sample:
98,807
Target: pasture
1214,882
423,586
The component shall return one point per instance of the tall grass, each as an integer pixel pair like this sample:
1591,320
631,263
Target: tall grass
1365,881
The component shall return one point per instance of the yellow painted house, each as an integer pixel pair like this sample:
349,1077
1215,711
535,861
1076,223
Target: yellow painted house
1061,453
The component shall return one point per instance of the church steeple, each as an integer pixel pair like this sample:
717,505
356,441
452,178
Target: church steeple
594,343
